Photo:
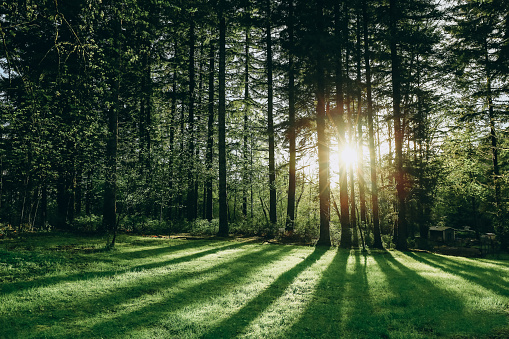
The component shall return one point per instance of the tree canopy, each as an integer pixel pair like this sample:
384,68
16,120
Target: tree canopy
234,116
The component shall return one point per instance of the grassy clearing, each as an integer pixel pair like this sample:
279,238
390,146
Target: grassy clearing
61,286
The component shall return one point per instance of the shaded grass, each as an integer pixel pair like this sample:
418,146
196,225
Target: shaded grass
62,286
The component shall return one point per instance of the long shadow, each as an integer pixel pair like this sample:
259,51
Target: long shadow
489,279
237,272
324,311
242,318
106,302
439,312
8,288
362,318
467,263
164,247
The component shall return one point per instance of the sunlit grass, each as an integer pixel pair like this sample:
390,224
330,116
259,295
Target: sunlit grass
63,286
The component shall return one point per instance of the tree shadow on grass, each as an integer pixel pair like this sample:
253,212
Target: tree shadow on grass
163,247
324,311
234,324
418,306
235,274
407,287
362,318
106,304
482,276
8,288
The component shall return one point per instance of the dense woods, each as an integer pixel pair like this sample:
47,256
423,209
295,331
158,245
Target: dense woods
356,123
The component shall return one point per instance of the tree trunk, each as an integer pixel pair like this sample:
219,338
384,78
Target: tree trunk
290,213
171,165
372,151
499,227
210,138
270,122
360,153
323,142
350,128
401,242
191,196
245,151
223,203
110,187
346,232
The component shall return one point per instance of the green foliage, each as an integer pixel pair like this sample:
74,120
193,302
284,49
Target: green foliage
87,224
67,65
204,227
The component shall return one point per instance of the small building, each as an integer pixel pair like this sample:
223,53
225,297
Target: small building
442,233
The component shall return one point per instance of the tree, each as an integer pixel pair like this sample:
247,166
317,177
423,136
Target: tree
290,214
401,242
339,120
270,118
478,32
371,138
223,204
323,142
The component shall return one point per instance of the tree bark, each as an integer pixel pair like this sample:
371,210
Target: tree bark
346,232
371,138
323,142
245,151
191,196
109,222
210,138
401,242
223,203
270,122
290,212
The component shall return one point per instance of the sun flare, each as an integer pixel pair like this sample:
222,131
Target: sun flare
344,158
348,156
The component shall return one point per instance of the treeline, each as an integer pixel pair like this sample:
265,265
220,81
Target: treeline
169,116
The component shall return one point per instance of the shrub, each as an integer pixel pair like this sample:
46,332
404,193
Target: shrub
87,223
204,227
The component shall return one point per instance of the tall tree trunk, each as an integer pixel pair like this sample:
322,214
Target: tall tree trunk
372,151
290,212
171,165
191,196
401,242
109,222
223,203
323,142
350,127
198,180
360,153
270,121
210,137
499,227
346,232
245,151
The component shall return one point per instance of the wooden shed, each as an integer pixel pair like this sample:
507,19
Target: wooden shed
442,233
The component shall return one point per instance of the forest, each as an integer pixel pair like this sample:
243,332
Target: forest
351,123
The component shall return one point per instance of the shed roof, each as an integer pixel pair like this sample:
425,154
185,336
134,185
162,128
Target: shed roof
440,228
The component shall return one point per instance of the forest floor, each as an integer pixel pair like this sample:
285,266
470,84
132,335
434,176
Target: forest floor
62,286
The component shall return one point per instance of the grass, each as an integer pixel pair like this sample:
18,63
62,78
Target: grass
60,286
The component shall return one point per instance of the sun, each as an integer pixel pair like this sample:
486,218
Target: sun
348,156
343,158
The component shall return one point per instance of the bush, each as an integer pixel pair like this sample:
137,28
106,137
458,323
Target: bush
142,225
204,227
387,241
87,223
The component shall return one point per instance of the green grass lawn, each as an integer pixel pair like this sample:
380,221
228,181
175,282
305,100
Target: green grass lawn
57,286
